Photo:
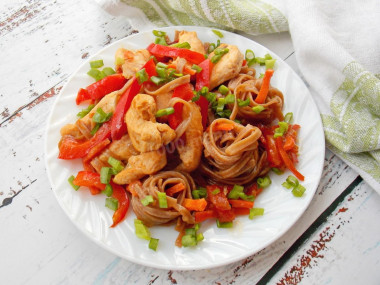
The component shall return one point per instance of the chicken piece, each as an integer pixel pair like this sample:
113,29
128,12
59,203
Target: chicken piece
129,62
145,133
121,149
141,165
71,130
192,38
190,153
227,67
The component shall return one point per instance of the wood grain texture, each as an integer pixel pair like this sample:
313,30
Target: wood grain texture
45,41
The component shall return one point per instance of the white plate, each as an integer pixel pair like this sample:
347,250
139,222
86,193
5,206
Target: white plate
220,246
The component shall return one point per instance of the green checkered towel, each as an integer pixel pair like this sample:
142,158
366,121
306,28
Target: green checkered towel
337,46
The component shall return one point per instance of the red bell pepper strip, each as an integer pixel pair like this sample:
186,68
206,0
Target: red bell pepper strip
70,148
96,150
89,179
225,215
203,79
99,89
219,199
120,194
205,215
184,92
287,161
241,204
189,55
119,126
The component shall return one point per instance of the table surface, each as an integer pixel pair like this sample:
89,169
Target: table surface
42,43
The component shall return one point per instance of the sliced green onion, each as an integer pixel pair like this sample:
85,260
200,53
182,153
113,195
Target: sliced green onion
237,121
95,73
159,33
221,103
218,33
199,237
108,190
216,191
71,179
197,68
235,192
249,55
148,199
281,130
161,41
263,182
165,112
268,56
211,48
142,76
196,97
269,64
258,109
84,112
277,170
161,65
211,97
197,226
221,51
108,71
287,185
157,80
260,60
253,212
216,58
190,231
244,103
112,203
154,58
185,45
230,98
100,116
96,63
292,180
288,117
261,75
224,225
95,129
141,230
189,240
204,91
162,72
105,175
153,243
162,201
298,190
199,193
223,89
245,197
116,164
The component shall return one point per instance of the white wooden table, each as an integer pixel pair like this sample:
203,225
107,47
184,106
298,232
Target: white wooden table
336,241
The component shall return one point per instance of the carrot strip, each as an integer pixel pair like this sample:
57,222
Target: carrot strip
130,187
289,143
241,211
260,99
287,161
223,127
241,204
175,189
195,204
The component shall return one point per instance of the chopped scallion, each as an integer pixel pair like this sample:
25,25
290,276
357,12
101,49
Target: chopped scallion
258,109
153,243
162,200
263,182
269,64
142,76
160,41
211,97
253,212
197,68
100,116
159,33
288,117
216,191
298,190
157,80
105,175
108,190
196,97
84,112
141,230
96,63
221,103
108,71
112,203
71,179
165,112
230,98
204,91
249,55
116,164
281,130
277,170
235,192
185,45
243,103
95,129
199,193
189,240
147,200
95,73
224,225
223,89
